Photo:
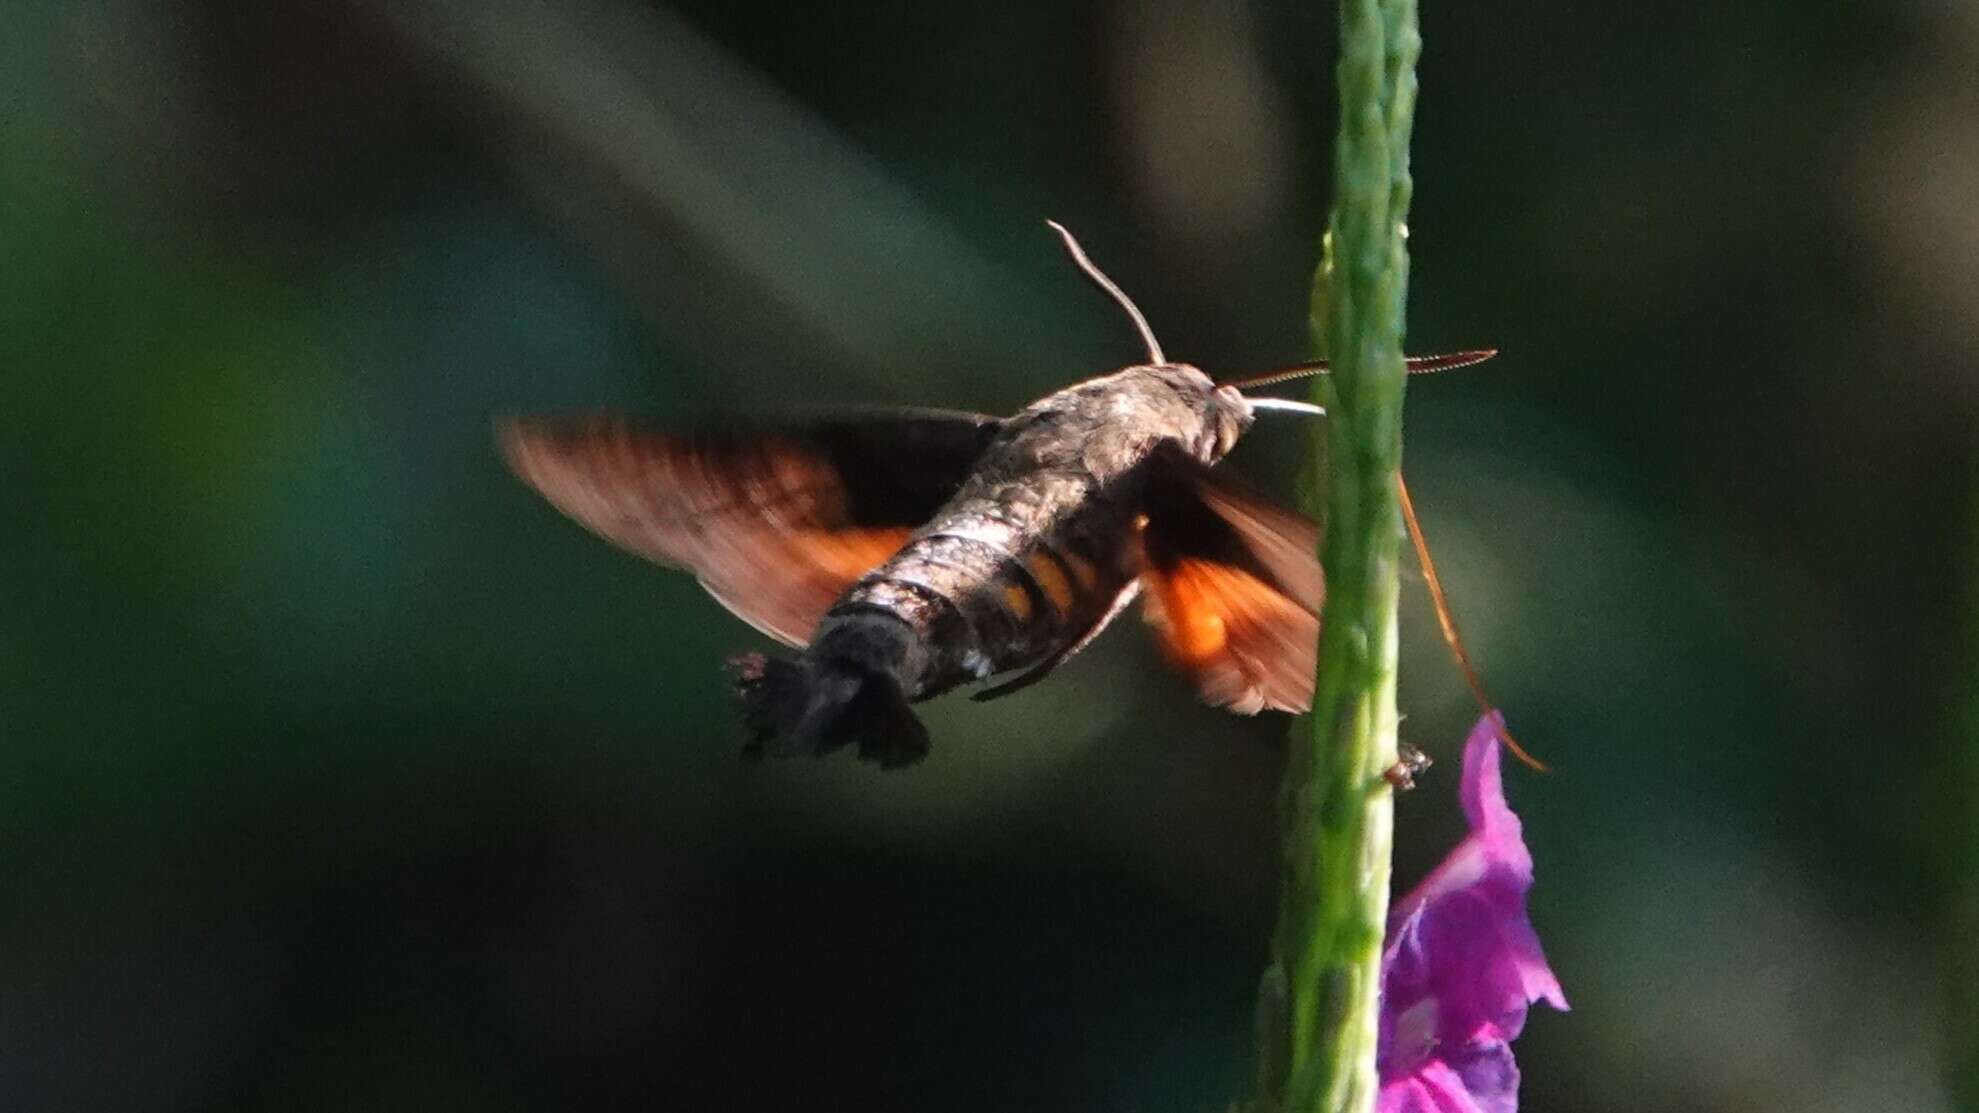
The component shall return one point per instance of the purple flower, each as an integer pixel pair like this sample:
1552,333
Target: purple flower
1462,961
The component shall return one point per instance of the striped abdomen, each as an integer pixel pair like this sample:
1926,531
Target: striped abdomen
985,590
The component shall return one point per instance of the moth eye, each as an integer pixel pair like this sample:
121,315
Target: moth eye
1228,429
1226,418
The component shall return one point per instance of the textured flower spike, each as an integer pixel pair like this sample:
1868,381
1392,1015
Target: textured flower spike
1462,961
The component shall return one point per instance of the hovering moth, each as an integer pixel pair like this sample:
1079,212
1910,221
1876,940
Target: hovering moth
907,553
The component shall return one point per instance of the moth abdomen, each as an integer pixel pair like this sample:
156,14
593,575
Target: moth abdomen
1069,580
946,588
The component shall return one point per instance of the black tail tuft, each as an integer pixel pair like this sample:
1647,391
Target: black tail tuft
774,694
804,707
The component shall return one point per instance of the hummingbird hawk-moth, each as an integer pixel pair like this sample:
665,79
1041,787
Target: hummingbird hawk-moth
907,553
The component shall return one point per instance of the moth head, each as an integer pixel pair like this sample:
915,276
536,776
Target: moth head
1226,413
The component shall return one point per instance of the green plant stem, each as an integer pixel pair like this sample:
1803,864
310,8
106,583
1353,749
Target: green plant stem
1963,831
1321,1003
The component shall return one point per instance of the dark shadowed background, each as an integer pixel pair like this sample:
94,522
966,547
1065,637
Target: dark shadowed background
338,772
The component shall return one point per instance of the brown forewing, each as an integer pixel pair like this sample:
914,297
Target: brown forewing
1233,587
775,524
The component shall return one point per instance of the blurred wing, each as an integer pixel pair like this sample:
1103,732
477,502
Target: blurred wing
1233,588
775,524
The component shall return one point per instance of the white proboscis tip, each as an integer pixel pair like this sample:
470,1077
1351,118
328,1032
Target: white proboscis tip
1287,405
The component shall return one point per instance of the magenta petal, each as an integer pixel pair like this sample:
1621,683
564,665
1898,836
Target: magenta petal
1462,962
1490,1076
1437,1089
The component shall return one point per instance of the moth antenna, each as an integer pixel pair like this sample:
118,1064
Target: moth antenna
1287,405
1449,623
1417,365
1099,279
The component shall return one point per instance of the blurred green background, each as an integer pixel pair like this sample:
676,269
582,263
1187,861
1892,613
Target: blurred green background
338,772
